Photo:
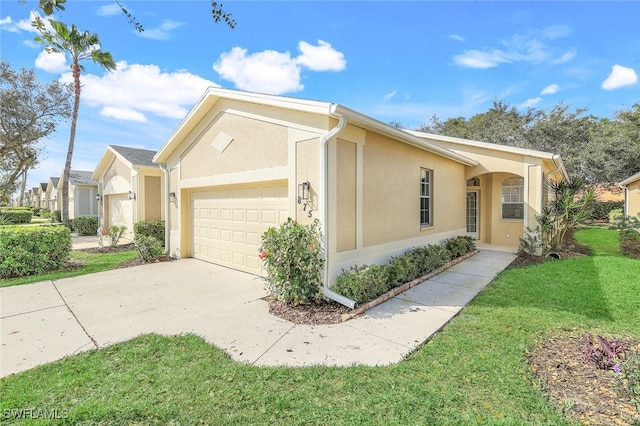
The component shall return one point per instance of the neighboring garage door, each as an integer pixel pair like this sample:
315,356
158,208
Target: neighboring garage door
121,212
227,224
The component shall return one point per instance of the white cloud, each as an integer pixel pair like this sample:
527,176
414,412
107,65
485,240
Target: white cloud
108,10
322,57
275,72
389,95
163,32
54,62
564,58
620,76
530,103
532,48
479,59
8,24
457,37
550,89
134,90
126,114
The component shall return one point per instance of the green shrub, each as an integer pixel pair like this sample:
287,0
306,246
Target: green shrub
365,283
630,236
293,255
45,213
57,216
16,215
614,216
33,250
150,228
150,248
601,209
431,257
402,269
85,225
115,233
459,246
36,210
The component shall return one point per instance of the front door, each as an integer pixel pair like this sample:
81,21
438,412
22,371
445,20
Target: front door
472,214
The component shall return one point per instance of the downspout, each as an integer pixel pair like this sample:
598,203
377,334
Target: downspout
167,227
342,122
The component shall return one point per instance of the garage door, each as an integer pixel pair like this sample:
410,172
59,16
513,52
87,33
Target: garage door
121,212
227,224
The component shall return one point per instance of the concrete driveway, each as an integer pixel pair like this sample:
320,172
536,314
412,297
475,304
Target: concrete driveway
47,321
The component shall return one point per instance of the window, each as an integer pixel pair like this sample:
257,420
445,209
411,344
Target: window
425,197
513,198
474,181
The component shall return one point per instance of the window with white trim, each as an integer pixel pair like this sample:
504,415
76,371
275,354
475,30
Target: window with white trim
512,198
425,197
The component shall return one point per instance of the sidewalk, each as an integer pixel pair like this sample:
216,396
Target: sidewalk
46,321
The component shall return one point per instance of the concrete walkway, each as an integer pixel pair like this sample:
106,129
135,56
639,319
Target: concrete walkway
46,321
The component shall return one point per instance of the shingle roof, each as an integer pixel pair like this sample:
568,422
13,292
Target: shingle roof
78,177
43,186
54,181
136,156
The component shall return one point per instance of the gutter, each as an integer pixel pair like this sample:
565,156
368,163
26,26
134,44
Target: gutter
342,123
167,227
559,167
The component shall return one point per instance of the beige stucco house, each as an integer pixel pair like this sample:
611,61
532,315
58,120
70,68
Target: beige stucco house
82,194
130,187
242,162
631,187
52,194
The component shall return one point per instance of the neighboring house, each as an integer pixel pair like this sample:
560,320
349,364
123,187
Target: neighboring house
82,194
35,197
52,194
631,187
42,195
242,162
130,187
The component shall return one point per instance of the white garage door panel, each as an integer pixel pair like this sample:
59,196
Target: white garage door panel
227,224
121,212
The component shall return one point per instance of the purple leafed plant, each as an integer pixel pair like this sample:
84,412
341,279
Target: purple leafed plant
603,353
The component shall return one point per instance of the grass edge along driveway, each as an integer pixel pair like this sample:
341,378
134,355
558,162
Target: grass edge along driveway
472,372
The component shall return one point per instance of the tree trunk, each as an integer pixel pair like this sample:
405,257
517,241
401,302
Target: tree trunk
72,137
23,187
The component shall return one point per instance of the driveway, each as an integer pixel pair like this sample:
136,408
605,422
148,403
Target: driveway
47,321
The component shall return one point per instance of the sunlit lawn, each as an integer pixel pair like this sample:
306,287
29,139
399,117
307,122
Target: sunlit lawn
472,372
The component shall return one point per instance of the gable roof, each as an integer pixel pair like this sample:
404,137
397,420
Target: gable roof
132,157
555,158
43,186
54,181
213,94
630,179
136,156
81,177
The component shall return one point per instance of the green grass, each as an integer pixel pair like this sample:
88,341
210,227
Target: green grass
472,372
91,262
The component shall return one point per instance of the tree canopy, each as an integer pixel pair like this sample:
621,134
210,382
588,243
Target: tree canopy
30,112
595,150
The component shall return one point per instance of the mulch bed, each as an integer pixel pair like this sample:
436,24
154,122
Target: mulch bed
121,248
582,391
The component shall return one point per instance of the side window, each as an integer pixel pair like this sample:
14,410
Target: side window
426,177
513,198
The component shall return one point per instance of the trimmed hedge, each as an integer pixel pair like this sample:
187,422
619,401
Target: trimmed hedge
85,225
601,209
150,228
16,215
367,282
33,250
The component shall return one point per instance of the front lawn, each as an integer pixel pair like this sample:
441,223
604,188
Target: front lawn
472,372
80,263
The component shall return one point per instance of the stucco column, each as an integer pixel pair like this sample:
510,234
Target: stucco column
533,181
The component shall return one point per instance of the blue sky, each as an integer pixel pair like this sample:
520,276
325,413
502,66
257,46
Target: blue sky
394,61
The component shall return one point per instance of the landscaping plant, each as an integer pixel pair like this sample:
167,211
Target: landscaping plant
115,232
85,225
293,255
33,250
150,248
150,228
629,235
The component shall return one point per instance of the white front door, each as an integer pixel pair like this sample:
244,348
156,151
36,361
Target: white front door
472,214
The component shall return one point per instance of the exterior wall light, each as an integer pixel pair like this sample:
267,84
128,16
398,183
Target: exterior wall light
98,197
132,196
172,197
303,191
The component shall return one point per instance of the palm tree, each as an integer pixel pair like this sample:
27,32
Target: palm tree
80,46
